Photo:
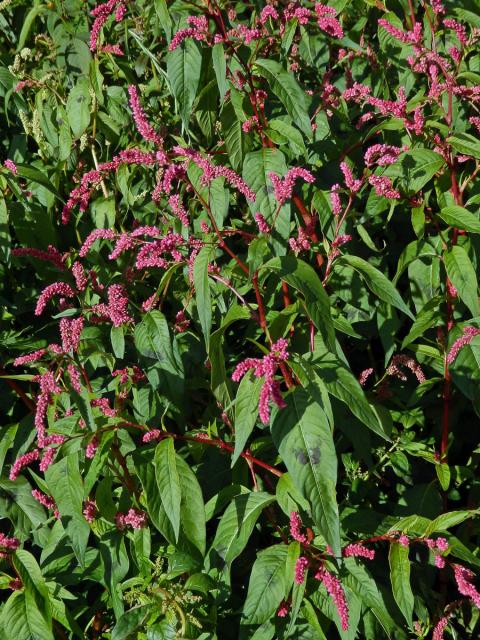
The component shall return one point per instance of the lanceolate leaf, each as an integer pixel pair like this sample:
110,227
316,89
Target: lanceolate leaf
301,276
398,558
304,439
202,291
183,70
364,586
246,412
66,486
460,218
462,274
377,282
415,168
192,508
342,384
168,481
286,88
236,526
267,585
219,64
152,339
256,169
23,620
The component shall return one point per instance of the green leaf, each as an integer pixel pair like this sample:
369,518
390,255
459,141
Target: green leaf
414,169
465,144
288,133
236,526
303,437
289,92
256,169
342,384
365,588
236,141
4,232
443,475
27,24
220,384
18,493
220,67
32,579
183,70
462,274
117,339
400,578
66,486
302,276
450,519
377,282
168,481
460,218
246,412
266,588
130,621
192,509
152,339
78,107
429,316
23,620
202,291
35,175
82,400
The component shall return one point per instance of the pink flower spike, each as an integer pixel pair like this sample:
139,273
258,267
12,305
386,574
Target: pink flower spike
440,628
263,226
48,458
10,544
283,609
89,510
29,357
143,126
23,461
467,336
442,544
10,165
55,289
335,200
300,568
336,592
265,367
463,578
437,6
358,551
352,184
404,540
283,188
383,187
364,376
295,528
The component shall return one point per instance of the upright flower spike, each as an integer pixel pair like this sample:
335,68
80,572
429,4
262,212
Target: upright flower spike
144,128
295,528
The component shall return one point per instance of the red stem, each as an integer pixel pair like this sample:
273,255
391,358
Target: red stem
213,442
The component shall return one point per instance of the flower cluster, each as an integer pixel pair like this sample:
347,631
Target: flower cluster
283,188
266,368
134,518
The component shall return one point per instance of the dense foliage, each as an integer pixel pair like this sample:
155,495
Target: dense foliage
240,319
